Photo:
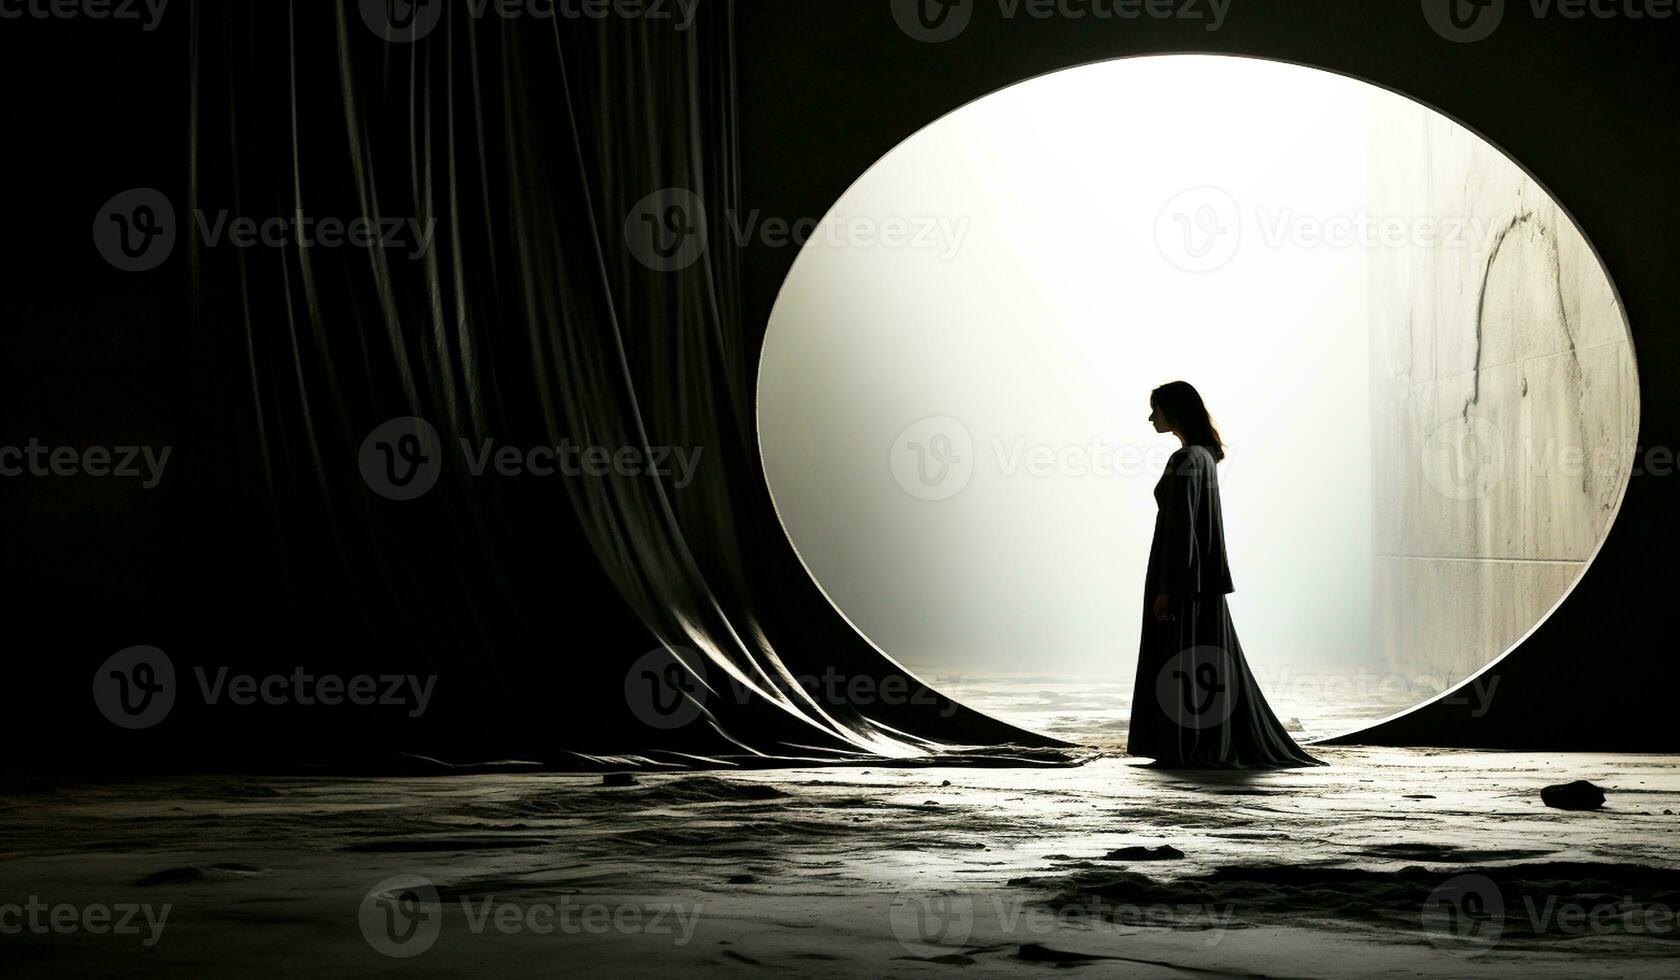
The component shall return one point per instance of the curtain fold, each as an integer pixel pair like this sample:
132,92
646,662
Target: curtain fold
560,275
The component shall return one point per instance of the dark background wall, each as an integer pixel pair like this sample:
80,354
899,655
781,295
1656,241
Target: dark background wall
90,355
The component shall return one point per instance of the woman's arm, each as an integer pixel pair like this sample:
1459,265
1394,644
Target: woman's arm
1177,567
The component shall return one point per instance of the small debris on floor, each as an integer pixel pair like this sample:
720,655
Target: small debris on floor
1578,795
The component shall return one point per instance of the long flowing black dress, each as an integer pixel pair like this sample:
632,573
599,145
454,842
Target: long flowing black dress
1196,704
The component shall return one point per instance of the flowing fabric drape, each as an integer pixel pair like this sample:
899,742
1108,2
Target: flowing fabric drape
514,158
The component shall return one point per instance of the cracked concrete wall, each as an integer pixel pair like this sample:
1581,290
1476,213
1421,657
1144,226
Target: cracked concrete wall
1504,397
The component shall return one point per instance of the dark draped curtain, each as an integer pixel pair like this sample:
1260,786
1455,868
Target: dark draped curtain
548,156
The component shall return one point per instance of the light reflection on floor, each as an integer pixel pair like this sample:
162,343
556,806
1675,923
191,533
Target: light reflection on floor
1312,703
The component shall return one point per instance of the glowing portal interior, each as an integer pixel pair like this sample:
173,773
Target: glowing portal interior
1420,368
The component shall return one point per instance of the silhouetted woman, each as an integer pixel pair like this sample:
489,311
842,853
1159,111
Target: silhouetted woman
1196,704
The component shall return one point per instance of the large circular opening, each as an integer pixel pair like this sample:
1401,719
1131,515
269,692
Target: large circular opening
1419,366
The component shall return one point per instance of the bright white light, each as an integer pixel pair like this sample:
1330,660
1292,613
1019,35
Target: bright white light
1070,243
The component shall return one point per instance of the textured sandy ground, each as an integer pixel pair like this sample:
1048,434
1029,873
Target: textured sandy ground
1334,872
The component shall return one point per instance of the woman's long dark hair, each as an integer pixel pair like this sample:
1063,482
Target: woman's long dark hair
1182,405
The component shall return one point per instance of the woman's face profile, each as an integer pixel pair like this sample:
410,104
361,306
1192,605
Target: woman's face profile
1158,419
